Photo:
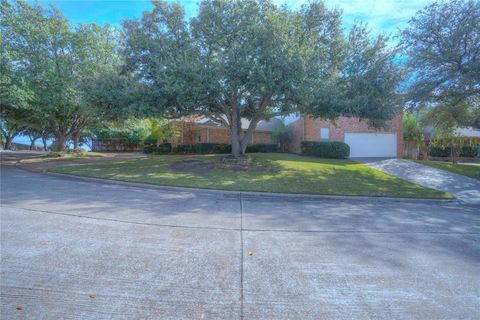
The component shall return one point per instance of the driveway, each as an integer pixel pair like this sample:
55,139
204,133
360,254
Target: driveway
74,249
464,188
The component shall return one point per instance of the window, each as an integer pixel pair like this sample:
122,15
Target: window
324,134
199,138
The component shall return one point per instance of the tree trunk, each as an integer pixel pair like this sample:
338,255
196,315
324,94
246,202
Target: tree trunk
235,130
32,144
76,139
239,144
8,143
246,138
44,142
60,143
452,151
236,144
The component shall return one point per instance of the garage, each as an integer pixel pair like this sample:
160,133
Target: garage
376,145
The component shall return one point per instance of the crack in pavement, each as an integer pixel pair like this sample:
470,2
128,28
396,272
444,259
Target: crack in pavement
241,227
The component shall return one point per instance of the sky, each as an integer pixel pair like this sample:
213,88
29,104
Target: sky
382,16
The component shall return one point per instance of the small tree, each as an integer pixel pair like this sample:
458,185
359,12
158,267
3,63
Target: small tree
412,133
283,136
445,117
163,130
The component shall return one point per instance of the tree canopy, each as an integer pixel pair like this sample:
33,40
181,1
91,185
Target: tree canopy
47,67
442,47
252,59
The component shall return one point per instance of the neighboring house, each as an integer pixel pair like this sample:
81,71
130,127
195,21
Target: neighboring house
363,140
204,130
468,132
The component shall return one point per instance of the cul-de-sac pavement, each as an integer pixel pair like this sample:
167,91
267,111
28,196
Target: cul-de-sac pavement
86,249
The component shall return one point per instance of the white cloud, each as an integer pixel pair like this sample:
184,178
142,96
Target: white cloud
382,16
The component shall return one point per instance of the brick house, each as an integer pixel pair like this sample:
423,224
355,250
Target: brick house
204,130
363,140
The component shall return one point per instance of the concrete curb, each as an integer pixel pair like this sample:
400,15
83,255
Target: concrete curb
247,194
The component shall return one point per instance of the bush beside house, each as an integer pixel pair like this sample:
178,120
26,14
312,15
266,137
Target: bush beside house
262,147
205,148
326,149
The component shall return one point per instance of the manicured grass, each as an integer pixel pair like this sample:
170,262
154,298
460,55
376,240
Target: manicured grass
472,171
272,172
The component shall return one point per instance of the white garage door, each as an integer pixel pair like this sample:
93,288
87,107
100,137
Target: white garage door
371,144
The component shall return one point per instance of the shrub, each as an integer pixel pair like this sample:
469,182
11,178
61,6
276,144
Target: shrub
283,135
149,148
184,148
439,151
164,148
468,151
204,148
326,149
161,149
222,148
150,140
131,132
262,147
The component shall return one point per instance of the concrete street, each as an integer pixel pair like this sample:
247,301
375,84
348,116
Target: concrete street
77,249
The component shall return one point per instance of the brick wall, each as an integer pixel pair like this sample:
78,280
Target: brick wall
197,134
262,137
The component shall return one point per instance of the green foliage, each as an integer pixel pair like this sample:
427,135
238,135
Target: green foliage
441,46
205,148
456,146
162,129
270,172
412,131
184,148
262,147
439,151
249,59
326,149
132,131
150,140
283,135
468,151
48,66
163,148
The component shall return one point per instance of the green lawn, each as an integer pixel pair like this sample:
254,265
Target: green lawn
272,172
472,171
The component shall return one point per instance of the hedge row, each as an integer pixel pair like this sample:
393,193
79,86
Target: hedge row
206,148
164,148
326,149
467,151
262,147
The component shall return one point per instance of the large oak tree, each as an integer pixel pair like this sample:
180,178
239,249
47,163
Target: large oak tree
442,50
251,59
49,68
